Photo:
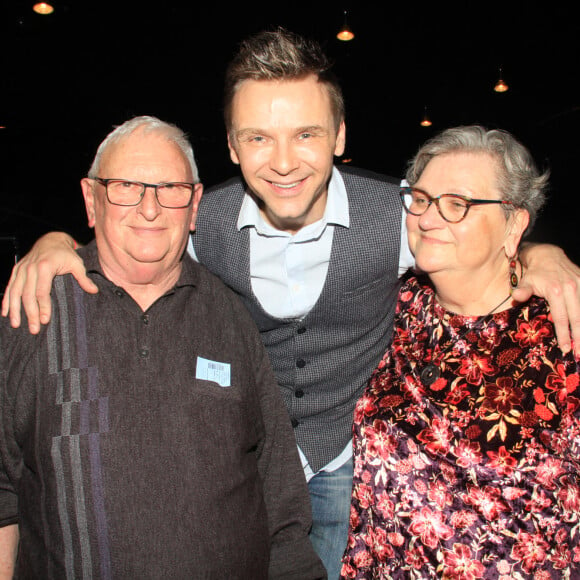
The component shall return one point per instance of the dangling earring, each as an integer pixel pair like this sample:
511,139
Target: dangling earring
514,280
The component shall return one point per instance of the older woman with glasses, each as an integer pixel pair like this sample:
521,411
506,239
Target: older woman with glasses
467,439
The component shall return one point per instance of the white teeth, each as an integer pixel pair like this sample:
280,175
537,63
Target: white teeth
286,185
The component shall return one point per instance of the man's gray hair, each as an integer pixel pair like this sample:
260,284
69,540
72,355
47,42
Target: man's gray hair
518,178
148,125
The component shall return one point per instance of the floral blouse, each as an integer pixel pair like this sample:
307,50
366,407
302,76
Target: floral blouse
478,474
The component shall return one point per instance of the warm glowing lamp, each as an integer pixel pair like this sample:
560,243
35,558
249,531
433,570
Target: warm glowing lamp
426,122
43,8
345,33
501,86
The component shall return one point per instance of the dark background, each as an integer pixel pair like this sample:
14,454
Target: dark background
68,78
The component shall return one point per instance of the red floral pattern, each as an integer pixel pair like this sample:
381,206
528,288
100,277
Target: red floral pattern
478,474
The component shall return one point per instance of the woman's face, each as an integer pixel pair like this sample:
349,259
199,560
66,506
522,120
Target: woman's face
482,242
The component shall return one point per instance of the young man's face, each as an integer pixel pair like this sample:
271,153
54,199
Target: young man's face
284,138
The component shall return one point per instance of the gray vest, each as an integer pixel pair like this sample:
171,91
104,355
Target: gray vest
323,361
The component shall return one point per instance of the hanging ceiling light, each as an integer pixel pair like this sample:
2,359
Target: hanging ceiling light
43,8
426,122
345,33
501,86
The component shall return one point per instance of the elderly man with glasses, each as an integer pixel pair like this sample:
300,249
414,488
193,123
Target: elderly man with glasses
142,431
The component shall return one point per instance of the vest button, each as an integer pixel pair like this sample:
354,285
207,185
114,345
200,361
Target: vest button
299,394
300,363
144,353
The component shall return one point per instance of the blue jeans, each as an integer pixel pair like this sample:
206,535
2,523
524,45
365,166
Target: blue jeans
330,496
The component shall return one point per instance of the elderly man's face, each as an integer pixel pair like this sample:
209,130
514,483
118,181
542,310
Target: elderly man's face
147,239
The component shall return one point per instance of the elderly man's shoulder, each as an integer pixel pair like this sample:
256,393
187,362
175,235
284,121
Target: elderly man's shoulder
18,345
211,289
20,340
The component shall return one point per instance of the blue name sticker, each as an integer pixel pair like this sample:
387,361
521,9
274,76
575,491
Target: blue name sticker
210,370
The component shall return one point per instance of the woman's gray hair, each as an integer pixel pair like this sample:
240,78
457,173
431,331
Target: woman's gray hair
518,178
148,125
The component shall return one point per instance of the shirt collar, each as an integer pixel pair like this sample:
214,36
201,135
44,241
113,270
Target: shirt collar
189,275
336,211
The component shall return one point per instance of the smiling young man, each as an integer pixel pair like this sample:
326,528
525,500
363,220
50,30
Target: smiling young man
313,250
285,137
